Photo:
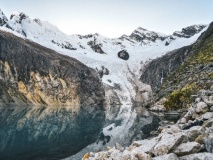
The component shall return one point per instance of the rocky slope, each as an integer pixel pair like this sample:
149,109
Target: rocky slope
156,71
183,71
189,139
36,75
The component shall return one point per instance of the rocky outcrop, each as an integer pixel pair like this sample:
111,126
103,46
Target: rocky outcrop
186,140
156,71
197,156
3,18
33,74
188,68
96,47
141,34
189,31
123,55
67,45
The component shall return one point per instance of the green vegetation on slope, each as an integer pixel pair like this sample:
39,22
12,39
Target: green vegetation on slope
194,74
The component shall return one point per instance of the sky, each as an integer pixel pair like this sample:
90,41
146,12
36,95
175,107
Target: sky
113,18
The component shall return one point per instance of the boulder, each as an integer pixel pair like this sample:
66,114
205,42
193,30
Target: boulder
141,156
204,93
192,134
200,139
116,154
159,105
119,147
144,145
171,129
209,143
168,143
170,156
123,55
183,120
159,108
201,107
197,99
187,148
208,123
211,108
209,101
207,115
197,122
211,88
198,156
193,97
195,115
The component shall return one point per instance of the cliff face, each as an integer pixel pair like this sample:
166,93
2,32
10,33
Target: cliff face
32,74
183,71
155,72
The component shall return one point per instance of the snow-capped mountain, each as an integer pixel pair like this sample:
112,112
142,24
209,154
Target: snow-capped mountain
104,54
189,31
118,61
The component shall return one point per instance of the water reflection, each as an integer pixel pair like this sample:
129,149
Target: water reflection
47,133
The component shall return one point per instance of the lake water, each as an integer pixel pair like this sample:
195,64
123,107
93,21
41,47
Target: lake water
47,133
39,133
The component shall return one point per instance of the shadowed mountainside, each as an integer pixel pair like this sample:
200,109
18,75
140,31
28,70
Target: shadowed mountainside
31,73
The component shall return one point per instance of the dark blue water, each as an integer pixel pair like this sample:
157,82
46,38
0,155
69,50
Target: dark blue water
47,133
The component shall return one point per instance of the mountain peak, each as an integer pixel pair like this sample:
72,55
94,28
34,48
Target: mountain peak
141,29
189,31
18,16
141,34
3,18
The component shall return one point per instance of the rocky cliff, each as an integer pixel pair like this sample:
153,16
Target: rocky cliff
182,72
32,74
155,72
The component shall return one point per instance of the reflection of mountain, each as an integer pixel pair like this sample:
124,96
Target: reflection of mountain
29,133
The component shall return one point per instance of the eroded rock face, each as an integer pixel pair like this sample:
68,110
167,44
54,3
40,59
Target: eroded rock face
96,46
43,77
158,69
189,31
3,18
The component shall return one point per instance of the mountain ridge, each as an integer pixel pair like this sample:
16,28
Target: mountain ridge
102,53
